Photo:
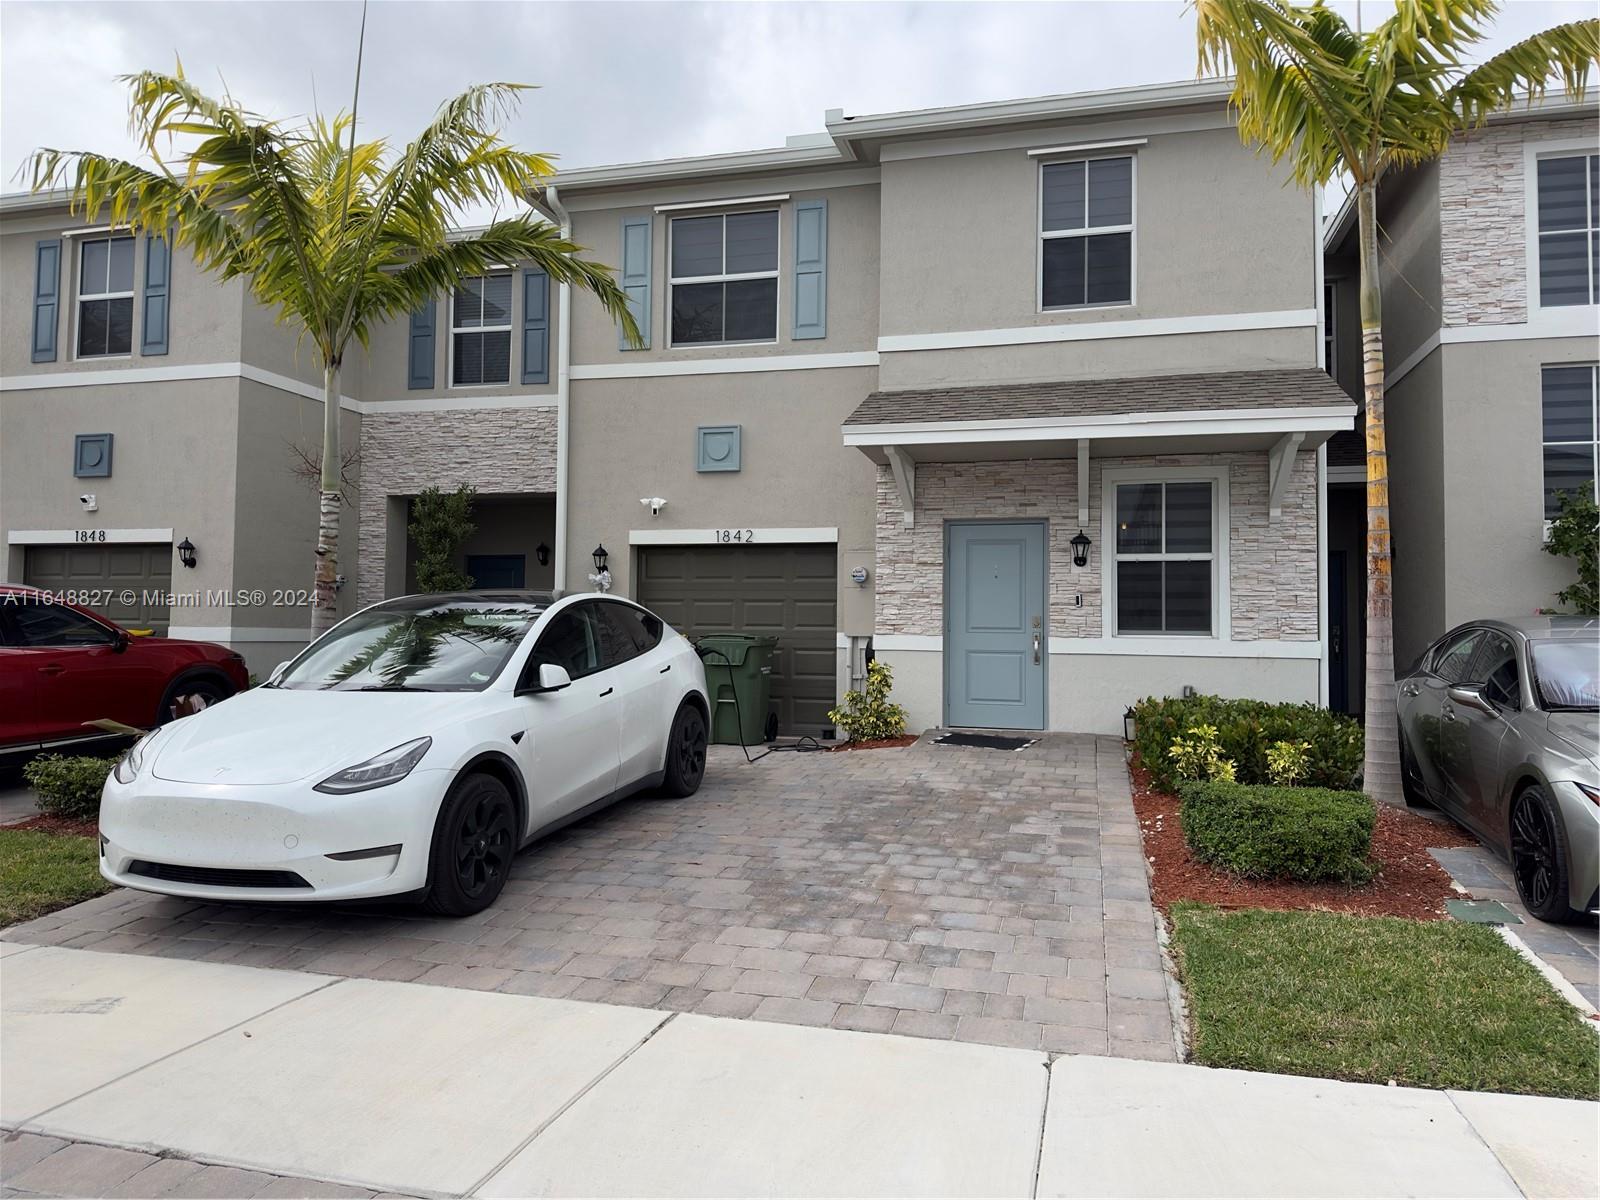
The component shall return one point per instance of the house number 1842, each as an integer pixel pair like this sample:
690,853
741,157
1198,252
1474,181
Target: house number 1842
735,535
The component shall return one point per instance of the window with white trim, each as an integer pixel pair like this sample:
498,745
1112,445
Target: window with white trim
480,330
1569,230
1086,232
1329,328
1165,557
724,278
105,297
1571,455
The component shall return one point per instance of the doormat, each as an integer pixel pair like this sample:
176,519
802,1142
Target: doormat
984,741
1481,912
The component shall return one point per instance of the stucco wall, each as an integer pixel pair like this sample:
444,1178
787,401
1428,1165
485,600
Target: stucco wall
503,451
1272,563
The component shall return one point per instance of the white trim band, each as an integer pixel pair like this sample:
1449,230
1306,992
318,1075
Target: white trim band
1123,425
1083,147
727,366
733,203
1088,331
714,537
102,537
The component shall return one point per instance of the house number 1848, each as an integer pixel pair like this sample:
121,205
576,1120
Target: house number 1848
735,535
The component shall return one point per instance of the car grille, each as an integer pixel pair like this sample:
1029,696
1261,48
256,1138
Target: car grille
216,876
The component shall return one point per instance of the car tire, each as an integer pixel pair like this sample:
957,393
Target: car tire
1540,854
686,752
474,842
1410,780
204,689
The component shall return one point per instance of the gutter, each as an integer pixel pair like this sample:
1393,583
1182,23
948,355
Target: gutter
563,394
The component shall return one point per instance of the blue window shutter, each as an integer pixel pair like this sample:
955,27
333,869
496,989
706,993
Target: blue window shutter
810,269
157,292
636,275
420,353
535,327
46,299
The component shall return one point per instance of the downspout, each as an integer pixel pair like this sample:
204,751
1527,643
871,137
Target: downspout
563,395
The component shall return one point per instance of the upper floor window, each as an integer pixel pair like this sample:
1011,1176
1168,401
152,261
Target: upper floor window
1569,230
105,297
480,330
1330,332
1086,232
1165,557
724,271
1570,453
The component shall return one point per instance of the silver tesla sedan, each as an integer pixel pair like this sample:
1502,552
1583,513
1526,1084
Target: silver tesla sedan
1500,728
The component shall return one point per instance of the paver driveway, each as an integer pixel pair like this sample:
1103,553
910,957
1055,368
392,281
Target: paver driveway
981,895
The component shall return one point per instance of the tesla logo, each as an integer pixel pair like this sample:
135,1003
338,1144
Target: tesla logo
219,771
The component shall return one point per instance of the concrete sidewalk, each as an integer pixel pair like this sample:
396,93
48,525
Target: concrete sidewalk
439,1091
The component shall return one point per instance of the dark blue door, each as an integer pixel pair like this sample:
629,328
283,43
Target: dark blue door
497,570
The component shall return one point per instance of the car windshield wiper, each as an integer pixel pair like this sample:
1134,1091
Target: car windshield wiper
392,687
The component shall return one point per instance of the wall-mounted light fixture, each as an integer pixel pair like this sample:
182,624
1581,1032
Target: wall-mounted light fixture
186,554
1080,549
601,554
542,553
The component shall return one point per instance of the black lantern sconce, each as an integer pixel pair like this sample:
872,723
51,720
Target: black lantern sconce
601,554
1080,549
1130,725
542,553
186,553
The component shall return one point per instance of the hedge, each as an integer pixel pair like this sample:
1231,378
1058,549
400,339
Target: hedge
1279,832
69,787
1245,728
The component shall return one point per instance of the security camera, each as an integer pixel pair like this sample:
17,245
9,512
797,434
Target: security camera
88,502
654,503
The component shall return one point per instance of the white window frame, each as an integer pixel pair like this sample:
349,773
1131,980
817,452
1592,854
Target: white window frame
509,327
1042,235
80,296
1221,609
1532,153
1594,427
775,274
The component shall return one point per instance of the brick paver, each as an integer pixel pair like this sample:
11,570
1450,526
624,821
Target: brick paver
942,892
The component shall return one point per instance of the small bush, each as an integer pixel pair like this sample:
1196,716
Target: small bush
1286,762
69,787
869,716
1246,729
1199,756
1572,535
1279,832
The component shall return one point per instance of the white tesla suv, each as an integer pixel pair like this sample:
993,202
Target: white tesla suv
411,750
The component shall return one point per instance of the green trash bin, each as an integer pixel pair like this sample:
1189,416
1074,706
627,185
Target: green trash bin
739,677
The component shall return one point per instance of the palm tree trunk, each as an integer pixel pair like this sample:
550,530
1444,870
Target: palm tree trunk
325,601
1381,768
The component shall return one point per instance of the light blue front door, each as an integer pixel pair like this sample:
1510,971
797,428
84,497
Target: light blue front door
996,643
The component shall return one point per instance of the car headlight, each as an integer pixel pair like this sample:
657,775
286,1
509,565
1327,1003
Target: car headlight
378,771
128,765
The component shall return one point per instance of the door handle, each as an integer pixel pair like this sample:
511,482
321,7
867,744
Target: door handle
1449,714
664,669
607,692
1410,689
1036,648
51,669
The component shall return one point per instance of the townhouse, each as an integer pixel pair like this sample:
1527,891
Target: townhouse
1491,321
1026,399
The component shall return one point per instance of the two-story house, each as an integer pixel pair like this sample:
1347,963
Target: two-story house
1025,399
1490,260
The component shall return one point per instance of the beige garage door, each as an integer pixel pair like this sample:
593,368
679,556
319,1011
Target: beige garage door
786,591
126,579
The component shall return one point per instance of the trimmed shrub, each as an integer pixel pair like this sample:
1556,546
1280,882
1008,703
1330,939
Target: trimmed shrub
1246,730
69,787
871,716
1279,832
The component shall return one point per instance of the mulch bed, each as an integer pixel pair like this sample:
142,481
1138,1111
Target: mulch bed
1409,882
893,743
61,825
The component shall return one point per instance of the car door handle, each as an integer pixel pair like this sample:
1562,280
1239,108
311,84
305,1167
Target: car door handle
607,692
1448,714
664,669
51,669
1410,689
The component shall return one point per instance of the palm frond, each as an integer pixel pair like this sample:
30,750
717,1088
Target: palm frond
1566,52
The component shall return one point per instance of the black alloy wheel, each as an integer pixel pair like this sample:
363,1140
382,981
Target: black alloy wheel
1538,855
686,752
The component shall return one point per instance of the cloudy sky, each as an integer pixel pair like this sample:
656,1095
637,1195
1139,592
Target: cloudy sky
619,81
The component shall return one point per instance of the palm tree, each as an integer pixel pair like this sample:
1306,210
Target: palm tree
337,236
1332,101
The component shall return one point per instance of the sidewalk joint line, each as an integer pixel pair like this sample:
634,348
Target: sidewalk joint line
1449,1094
44,1112
1044,1116
571,1100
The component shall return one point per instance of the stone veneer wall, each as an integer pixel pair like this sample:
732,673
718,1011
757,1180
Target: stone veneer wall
1483,219
500,451
1272,564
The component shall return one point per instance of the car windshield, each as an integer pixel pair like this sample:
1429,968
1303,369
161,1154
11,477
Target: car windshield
1566,674
454,647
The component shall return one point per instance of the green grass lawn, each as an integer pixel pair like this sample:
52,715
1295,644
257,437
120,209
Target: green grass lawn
41,872
1424,1003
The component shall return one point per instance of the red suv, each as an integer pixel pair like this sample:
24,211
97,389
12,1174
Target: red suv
62,665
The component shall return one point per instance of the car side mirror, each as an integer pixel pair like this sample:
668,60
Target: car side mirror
1471,697
552,678
277,671
119,642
